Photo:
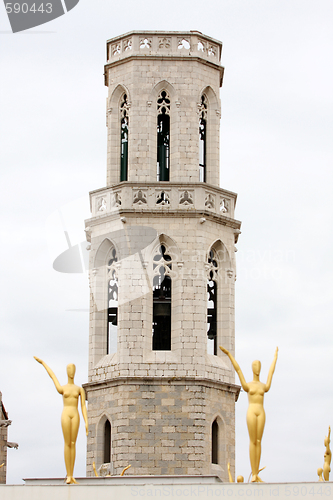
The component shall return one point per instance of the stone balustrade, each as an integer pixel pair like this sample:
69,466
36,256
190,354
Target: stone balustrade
163,196
162,43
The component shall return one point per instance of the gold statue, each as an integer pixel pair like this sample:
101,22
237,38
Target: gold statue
229,474
70,419
125,469
255,416
320,474
240,479
327,456
95,471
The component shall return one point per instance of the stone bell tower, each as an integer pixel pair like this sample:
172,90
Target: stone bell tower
162,265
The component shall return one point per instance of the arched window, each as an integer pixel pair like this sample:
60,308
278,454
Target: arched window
163,136
112,280
212,302
162,264
215,442
107,443
202,138
124,138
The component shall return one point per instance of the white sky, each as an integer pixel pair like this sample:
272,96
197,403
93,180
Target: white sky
276,153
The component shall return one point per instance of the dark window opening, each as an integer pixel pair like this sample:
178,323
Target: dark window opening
212,304
112,320
163,147
202,140
124,139
107,442
215,441
161,302
163,137
211,317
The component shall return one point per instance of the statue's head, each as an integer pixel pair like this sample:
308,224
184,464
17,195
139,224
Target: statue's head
256,367
71,370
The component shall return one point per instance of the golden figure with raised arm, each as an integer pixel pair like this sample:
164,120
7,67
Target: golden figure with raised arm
229,474
240,479
70,419
327,456
255,417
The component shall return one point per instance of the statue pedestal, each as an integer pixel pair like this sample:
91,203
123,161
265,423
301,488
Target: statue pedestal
177,487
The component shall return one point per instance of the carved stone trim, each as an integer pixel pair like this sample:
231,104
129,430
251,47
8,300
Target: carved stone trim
164,43
162,197
212,50
210,201
202,46
163,103
145,43
101,204
186,198
127,44
139,197
184,43
115,200
115,49
224,205
230,273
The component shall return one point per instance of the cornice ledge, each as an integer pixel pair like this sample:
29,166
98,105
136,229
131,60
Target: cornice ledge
159,212
228,387
161,57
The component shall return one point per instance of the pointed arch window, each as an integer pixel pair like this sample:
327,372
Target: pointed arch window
202,138
215,442
107,443
163,136
212,302
161,328
124,108
112,317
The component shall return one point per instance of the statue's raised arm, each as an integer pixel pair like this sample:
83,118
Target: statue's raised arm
237,369
52,375
271,371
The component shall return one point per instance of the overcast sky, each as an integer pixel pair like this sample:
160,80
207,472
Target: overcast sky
276,153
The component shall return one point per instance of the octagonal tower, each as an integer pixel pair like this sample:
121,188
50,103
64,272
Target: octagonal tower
160,394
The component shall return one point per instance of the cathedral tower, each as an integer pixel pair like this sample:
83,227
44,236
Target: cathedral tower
162,264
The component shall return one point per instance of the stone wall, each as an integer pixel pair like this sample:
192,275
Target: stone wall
162,426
